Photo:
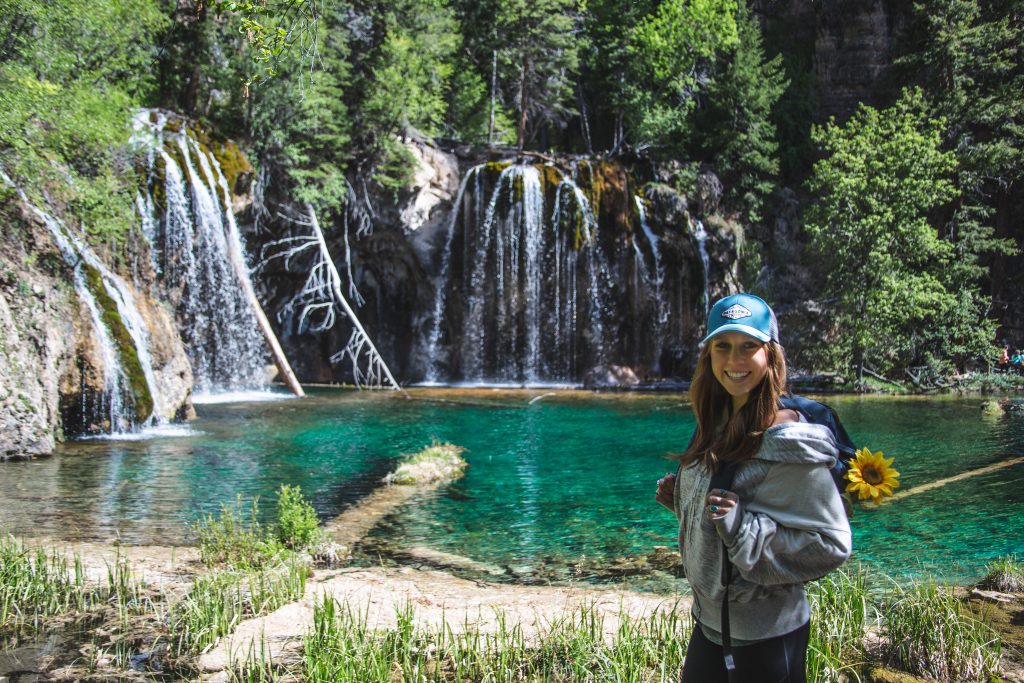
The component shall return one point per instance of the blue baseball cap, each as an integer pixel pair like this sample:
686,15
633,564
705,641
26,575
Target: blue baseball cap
744,313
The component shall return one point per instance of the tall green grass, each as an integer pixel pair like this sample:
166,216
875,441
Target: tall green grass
840,611
928,633
219,601
343,647
36,583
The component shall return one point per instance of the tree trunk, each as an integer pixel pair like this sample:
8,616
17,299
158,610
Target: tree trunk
494,95
242,273
335,279
523,101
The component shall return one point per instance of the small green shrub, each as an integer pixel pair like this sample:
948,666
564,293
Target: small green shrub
1005,574
236,538
928,634
297,523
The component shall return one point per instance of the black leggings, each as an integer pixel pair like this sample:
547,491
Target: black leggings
777,660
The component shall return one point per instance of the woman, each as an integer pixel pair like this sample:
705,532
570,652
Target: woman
780,523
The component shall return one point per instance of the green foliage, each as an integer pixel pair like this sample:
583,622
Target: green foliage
606,55
297,523
468,116
235,537
71,74
969,58
898,294
382,69
272,28
537,61
735,120
667,48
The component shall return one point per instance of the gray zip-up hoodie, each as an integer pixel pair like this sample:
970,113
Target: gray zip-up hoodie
790,527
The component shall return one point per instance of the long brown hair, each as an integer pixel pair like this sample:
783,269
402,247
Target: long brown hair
741,437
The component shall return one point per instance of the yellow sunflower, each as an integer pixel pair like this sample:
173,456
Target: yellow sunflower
871,476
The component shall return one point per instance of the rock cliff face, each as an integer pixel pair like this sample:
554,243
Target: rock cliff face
850,45
51,364
515,270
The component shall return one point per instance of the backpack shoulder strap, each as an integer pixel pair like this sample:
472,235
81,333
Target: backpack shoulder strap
822,414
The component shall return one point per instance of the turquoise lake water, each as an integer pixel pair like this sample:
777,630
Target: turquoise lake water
551,479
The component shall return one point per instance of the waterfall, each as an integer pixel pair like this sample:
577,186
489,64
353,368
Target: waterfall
145,405
660,302
194,241
701,237
504,295
442,285
528,269
558,275
597,264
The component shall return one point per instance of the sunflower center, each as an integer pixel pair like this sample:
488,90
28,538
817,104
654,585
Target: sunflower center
872,476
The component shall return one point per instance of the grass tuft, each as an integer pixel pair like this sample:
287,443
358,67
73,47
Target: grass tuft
1004,574
928,634
839,615
437,462
576,648
219,601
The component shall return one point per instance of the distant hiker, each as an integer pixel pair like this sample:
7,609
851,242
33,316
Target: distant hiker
1017,362
1003,362
749,545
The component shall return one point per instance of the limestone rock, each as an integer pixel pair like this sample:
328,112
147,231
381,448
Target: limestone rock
435,182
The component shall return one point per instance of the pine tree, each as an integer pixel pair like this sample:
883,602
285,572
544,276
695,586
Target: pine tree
735,119
969,58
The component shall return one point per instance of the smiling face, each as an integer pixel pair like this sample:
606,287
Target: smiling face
739,362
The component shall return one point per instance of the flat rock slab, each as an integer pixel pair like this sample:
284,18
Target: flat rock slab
436,598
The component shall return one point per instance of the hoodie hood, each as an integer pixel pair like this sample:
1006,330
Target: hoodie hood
799,442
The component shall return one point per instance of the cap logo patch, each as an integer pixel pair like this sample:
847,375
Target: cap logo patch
735,312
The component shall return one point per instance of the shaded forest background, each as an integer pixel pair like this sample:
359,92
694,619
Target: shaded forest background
908,193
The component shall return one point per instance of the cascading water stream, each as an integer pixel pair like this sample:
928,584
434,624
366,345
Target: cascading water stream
596,262
659,277
525,278
195,241
121,414
442,286
700,235
534,289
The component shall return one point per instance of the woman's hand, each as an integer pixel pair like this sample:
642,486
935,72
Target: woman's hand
719,502
666,491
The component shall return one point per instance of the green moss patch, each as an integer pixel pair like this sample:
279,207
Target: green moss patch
142,400
439,462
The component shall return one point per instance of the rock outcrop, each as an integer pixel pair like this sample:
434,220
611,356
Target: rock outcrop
846,46
51,365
